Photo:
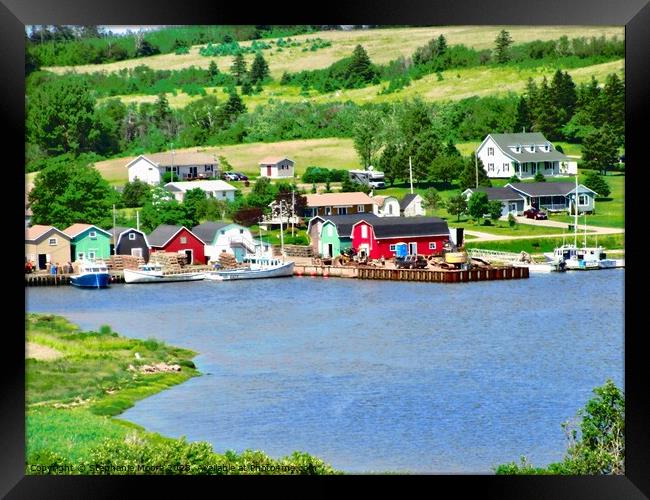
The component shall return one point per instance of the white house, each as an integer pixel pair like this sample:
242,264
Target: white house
386,206
276,167
150,168
230,238
523,155
219,190
411,205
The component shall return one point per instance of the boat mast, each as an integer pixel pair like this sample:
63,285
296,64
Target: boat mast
575,225
281,233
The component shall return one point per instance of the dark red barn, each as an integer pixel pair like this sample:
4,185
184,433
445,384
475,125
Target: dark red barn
167,238
379,238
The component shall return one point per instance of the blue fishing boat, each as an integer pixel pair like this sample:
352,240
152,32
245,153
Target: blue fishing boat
91,275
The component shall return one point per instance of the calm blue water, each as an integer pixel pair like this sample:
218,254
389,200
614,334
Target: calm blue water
373,376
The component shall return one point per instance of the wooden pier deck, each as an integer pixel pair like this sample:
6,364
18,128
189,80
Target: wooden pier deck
41,279
426,275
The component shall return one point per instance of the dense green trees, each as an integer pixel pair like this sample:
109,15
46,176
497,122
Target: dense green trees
457,205
367,135
69,192
61,117
477,205
600,149
136,193
467,177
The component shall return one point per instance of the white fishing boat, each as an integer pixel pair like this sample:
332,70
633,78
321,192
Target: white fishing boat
256,267
543,267
154,273
581,258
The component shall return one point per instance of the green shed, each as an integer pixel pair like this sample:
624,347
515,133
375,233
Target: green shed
88,242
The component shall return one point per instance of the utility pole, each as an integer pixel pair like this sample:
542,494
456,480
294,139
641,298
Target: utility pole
411,174
476,166
281,231
114,229
172,177
293,211
137,219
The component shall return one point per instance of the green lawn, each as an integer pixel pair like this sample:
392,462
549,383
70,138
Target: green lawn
534,245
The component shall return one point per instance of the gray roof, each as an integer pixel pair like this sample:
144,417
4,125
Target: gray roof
499,193
547,188
406,201
505,141
344,223
395,227
208,230
162,234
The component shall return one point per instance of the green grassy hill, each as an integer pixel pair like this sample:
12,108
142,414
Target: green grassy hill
382,46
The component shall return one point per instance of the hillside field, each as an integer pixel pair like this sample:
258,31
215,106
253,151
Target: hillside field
382,45
456,84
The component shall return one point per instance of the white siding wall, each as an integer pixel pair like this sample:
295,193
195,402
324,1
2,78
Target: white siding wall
144,171
498,159
390,208
278,173
415,208
222,242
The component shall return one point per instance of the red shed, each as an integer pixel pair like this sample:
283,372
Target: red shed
379,238
167,238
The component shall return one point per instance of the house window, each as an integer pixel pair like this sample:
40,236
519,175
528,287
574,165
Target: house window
490,151
92,235
583,199
506,167
490,167
343,210
222,232
328,210
209,168
91,255
547,148
364,231
183,240
517,149
525,167
361,208
132,236
80,256
432,245
52,242
241,231
393,248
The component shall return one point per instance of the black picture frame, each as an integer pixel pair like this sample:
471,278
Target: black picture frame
634,14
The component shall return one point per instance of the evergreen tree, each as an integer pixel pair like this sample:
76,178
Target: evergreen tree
563,97
246,87
502,50
600,149
598,184
467,177
213,70
539,177
233,107
613,97
238,68
546,118
524,119
259,69
441,46
451,149
360,69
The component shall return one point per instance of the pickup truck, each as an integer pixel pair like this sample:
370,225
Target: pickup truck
411,262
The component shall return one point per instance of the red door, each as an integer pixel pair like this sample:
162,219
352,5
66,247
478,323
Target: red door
268,170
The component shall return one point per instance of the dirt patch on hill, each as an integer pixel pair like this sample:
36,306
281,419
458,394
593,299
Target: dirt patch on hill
41,352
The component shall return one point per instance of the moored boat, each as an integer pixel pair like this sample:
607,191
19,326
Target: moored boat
257,267
154,273
91,275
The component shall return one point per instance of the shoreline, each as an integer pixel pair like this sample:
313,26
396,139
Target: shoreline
79,382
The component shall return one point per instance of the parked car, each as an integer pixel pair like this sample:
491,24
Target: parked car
230,176
411,262
241,176
535,213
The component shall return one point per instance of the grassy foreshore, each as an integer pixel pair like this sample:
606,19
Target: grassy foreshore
77,382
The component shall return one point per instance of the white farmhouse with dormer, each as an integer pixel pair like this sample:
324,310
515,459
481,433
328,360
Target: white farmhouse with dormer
523,155
184,166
